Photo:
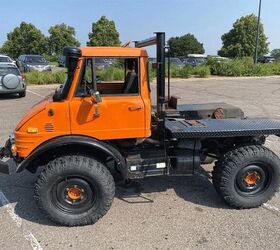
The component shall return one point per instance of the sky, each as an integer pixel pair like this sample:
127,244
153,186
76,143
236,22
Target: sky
137,20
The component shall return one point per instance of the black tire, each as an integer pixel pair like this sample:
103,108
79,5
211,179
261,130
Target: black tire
247,177
22,94
95,185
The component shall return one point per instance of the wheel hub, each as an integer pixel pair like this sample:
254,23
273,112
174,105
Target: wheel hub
75,193
251,178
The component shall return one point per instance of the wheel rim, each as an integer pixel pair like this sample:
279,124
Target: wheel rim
74,194
253,180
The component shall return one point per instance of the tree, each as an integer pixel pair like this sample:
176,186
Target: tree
104,33
276,53
25,39
240,41
61,35
184,45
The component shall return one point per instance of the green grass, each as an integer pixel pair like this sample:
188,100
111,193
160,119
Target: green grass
41,78
238,67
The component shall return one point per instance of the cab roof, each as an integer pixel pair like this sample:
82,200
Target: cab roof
113,51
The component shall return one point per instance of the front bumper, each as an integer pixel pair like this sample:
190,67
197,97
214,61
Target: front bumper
4,167
40,69
6,152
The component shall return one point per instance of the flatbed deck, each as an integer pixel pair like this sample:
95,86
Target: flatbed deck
210,128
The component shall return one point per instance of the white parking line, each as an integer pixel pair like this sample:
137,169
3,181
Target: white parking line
271,208
34,93
26,234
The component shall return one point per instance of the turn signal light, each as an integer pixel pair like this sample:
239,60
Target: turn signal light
32,130
14,149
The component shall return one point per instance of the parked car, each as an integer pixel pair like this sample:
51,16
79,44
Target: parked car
6,59
176,62
11,81
61,61
173,61
194,61
219,58
28,63
102,63
266,59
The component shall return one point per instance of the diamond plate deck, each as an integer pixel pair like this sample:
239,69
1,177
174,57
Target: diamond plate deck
209,128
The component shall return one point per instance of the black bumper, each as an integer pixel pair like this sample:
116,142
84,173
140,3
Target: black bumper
5,152
4,167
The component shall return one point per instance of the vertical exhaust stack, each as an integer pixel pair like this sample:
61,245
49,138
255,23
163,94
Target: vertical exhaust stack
159,41
160,72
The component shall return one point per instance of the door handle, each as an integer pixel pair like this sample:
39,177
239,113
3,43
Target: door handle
134,108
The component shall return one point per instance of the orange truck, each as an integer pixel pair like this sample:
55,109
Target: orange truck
101,125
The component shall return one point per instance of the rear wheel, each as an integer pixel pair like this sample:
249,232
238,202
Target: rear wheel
75,190
247,177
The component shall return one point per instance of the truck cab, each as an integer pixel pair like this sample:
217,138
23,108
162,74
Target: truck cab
123,110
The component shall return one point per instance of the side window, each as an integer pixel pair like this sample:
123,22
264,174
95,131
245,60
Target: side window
110,76
87,79
117,75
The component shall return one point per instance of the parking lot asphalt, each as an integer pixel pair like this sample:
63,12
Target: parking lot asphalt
155,213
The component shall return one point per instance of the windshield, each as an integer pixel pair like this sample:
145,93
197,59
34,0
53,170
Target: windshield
4,59
9,70
35,59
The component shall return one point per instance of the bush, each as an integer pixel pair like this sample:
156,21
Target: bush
50,58
202,71
242,67
111,74
41,78
188,71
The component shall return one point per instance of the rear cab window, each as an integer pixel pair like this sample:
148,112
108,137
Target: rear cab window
8,70
4,59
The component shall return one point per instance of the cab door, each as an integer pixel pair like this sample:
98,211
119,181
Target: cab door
119,115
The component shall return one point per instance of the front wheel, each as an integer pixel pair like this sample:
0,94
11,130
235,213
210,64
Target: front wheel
247,177
75,190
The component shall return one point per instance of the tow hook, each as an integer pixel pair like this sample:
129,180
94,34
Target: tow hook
4,166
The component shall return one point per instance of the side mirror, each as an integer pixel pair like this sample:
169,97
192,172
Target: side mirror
96,96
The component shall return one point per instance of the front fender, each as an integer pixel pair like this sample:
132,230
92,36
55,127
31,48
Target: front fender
75,140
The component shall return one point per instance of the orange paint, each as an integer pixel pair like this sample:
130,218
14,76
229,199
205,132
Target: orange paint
123,116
